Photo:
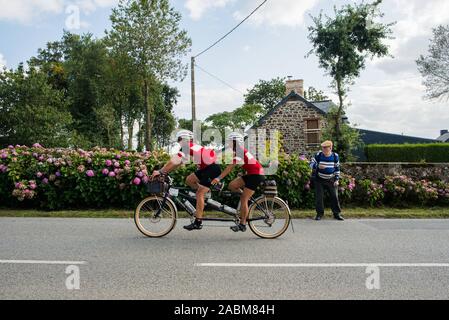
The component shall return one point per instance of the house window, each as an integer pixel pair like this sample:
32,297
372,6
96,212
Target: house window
313,132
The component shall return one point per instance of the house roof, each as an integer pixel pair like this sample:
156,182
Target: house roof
290,96
375,137
325,105
444,138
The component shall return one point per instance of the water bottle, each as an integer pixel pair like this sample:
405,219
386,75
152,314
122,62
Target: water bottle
214,204
192,194
229,210
190,207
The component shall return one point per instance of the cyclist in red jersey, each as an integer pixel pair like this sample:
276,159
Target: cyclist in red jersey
247,184
201,180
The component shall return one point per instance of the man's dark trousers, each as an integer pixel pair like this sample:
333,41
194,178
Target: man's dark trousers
320,186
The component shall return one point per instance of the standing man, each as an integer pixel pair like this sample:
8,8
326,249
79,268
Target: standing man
326,175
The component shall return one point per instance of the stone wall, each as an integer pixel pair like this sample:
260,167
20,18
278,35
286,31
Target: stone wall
417,171
290,119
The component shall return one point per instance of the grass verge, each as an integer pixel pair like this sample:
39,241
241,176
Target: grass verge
351,213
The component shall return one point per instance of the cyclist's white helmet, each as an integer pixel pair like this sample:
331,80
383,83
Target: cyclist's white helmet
184,134
235,136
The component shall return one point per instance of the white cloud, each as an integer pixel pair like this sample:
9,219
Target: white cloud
2,62
198,7
289,13
415,20
397,106
273,13
26,11
210,100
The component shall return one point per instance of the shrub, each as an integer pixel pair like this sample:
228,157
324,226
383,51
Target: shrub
369,192
432,152
56,179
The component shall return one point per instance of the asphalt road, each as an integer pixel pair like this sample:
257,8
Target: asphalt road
315,262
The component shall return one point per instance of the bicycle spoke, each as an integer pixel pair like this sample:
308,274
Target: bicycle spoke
155,216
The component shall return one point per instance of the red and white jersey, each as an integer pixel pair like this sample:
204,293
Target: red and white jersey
201,156
249,162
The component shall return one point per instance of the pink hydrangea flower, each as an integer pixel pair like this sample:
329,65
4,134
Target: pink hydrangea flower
105,172
108,163
137,181
112,174
90,173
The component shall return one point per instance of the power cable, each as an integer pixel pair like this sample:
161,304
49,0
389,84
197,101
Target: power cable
227,34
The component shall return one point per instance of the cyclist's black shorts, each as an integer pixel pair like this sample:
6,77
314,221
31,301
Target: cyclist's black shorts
208,174
253,181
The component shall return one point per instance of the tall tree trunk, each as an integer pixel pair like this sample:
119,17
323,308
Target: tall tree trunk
148,114
140,136
339,112
130,134
122,142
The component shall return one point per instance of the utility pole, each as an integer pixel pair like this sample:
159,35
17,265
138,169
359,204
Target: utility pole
193,89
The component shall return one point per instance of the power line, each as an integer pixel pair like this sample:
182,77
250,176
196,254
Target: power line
227,34
217,78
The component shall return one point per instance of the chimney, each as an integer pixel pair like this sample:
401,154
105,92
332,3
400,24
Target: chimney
296,86
443,132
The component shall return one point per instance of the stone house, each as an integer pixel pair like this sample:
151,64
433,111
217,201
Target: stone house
301,123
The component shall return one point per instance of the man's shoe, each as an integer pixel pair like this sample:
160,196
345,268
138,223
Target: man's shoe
194,226
339,217
238,228
318,218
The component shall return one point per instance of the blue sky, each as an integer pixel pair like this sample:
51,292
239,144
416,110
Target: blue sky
388,96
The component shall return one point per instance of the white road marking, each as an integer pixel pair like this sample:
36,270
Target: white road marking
42,262
323,265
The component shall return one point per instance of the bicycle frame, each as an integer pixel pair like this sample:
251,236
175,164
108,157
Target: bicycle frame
184,196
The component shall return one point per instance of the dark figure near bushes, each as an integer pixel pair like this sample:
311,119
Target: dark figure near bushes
326,175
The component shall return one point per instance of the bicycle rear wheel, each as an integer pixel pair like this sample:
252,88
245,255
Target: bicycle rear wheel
154,218
269,218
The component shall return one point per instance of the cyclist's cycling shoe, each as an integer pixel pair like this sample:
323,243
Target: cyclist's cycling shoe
194,226
238,228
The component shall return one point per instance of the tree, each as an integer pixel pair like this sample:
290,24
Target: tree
343,44
314,95
266,93
239,119
123,91
32,111
350,139
148,31
435,67
166,123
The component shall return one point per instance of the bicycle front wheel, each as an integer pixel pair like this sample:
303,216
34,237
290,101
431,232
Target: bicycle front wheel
156,218
269,218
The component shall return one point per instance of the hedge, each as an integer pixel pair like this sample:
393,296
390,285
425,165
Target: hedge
430,153
56,179
61,179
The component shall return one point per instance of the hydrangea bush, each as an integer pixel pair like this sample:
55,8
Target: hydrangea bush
54,179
